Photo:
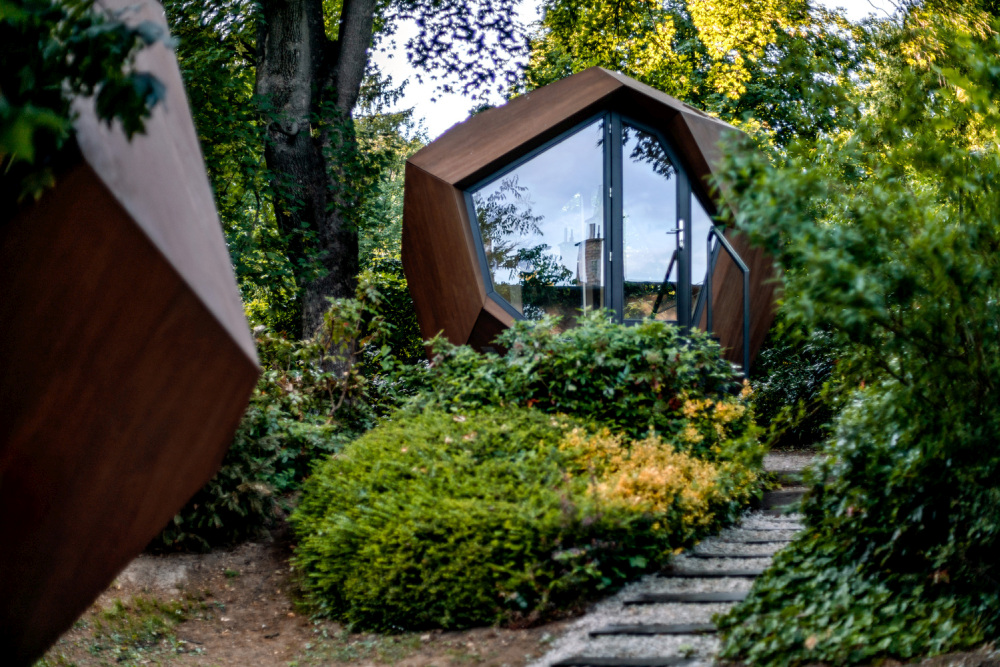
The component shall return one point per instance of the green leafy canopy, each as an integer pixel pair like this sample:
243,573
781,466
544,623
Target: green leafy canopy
890,237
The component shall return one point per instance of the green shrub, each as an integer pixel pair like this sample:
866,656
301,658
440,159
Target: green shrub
269,455
631,378
795,386
454,519
385,273
304,408
892,240
900,558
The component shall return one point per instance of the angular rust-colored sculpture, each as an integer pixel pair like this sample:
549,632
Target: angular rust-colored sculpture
485,244
127,362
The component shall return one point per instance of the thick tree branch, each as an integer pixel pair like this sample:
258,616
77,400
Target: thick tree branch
357,19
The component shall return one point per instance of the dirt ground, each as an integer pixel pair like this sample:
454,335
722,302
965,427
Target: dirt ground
236,610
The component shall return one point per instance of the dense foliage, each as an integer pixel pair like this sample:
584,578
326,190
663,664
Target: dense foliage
893,232
307,405
796,386
52,53
452,519
758,69
632,378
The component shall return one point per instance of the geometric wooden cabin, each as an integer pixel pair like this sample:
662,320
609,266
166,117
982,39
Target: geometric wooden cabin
589,192
126,361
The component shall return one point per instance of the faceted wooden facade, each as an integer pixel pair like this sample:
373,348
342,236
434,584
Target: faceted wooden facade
440,254
126,357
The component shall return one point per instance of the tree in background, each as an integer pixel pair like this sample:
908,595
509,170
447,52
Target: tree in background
782,69
295,72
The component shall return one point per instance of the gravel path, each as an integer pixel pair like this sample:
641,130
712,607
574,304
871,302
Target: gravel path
639,640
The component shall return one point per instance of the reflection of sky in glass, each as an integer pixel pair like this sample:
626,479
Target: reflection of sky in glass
701,223
562,192
649,204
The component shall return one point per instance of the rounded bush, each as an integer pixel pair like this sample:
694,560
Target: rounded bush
440,519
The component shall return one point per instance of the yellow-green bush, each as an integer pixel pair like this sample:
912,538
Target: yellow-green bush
440,519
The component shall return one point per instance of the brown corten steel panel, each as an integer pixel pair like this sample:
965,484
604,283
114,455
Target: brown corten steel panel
119,395
177,214
127,365
439,257
484,144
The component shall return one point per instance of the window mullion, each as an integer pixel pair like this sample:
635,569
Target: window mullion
613,219
684,256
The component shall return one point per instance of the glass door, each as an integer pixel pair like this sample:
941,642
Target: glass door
653,274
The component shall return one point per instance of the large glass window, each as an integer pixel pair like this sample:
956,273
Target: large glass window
604,217
543,230
649,227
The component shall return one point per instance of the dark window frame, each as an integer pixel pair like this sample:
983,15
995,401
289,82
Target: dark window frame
614,264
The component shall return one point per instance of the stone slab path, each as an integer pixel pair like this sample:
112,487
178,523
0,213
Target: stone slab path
665,620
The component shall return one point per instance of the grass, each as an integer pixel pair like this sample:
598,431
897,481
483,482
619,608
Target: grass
134,631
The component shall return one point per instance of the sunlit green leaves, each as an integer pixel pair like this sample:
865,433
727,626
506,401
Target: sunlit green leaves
779,69
53,52
890,240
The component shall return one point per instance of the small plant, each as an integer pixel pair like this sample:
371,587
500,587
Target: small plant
795,386
53,52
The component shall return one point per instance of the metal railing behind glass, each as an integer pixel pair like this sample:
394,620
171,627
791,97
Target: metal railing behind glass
705,303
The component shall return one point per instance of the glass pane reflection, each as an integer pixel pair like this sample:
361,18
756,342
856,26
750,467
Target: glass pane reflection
649,207
542,227
701,223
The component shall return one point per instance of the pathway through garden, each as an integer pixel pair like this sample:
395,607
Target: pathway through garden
664,620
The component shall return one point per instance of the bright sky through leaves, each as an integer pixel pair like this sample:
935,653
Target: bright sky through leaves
448,109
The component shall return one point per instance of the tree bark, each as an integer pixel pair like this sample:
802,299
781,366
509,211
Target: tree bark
307,87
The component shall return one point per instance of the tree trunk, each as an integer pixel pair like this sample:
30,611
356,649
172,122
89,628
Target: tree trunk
307,86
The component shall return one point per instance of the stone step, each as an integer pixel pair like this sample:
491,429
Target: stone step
783,498
752,540
712,574
786,512
687,598
709,554
656,629
585,661
777,462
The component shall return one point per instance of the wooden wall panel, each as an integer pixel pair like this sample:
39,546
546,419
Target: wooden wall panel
127,360
492,321
439,257
472,150
176,213
727,299
119,397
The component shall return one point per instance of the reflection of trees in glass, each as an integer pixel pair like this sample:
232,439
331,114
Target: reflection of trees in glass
540,273
641,300
505,218
506,224
647,148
